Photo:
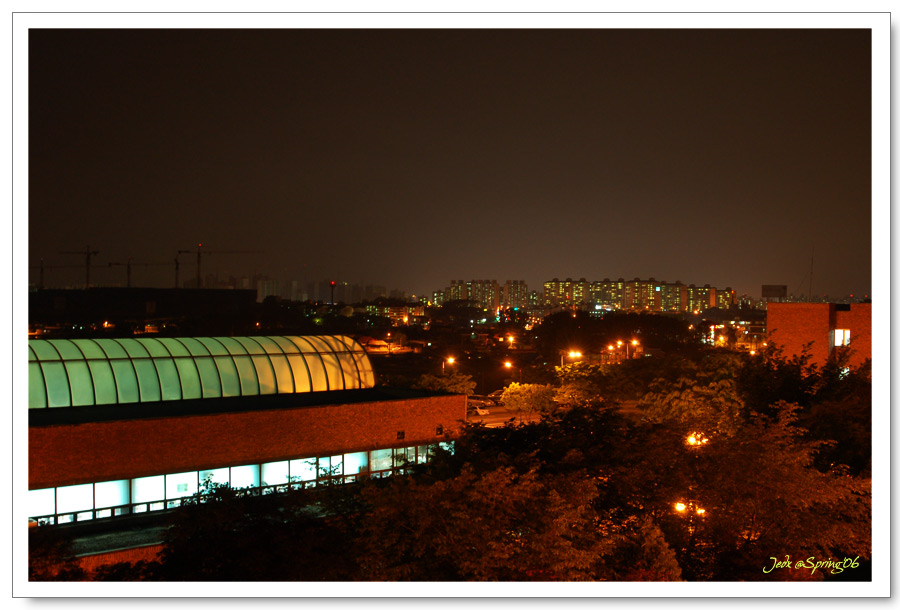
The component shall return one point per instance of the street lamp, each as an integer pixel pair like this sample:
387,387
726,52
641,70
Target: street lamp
449,360
690,509
509,365
696,439
572,355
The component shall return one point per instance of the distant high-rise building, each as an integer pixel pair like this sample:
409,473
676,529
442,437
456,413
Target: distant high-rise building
567,293
514,294
674,297
608,294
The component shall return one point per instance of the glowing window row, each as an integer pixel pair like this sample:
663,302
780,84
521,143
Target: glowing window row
112,498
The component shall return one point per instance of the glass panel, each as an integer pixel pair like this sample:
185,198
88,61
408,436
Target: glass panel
228,375
422,454
214,346
111,348
43,349
316,372
168,378
80,383
303,470
57,384
219,476
174,346
332,366
148,489
181,484
331,466
356,462
231,345
148,380
74,498
194,347
283,375
134,348
300,372
381,459
250,345
154,347
111,493
190,379
126,381
245,476
403,456
264,374
41,502
209,377
335,374
37,393
446,447
104,383
286,345
247,372
367,374
275,473
269,346
348,367
67,350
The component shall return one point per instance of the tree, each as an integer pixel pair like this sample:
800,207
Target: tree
453,382
529,398
762,496
498,524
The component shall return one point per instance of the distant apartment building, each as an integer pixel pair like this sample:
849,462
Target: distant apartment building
567,292
820,329
400,315
514,293
654,295
485,294
674,297
608,294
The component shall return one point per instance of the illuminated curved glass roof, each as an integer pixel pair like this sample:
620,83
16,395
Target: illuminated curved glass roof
80,372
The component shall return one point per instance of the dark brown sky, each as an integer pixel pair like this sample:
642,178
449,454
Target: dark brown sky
412,157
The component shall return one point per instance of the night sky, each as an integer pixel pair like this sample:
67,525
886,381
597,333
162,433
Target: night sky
407,158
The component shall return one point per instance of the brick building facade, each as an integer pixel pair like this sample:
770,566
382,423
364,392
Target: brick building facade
125,426
821,328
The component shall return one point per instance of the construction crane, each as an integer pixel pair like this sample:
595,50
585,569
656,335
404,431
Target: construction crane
88,253
201,253
42,267
128,265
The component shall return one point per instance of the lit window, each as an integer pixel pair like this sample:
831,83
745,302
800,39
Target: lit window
841,337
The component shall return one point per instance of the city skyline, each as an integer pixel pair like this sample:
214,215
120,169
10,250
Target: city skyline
406,158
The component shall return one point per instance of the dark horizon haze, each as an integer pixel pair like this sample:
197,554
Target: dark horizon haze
408,158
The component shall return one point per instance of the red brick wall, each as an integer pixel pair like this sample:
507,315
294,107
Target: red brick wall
859,321
89,563
72,454
792,325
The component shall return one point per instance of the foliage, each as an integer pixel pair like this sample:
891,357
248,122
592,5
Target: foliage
493,525
50,555
229,534
647,556
529,398
452,381
763,497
